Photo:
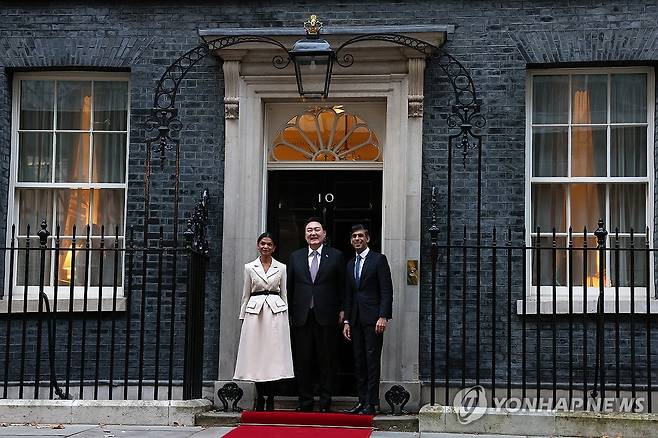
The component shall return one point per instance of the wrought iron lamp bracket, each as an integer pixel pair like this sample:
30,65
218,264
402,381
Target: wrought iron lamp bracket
466,110
163,125
462,120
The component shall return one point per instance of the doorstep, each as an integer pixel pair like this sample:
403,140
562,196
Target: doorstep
392,423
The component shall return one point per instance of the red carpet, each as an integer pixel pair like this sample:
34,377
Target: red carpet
302,424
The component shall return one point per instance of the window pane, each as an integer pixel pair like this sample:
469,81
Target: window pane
550,100
74,105
108,211
549,151
628,151
549,207
589,94
628,98
29,263
588,151
587,206
626,261
72,157
586,272
108,257
326,134
37,104
34,205
72,209
109,164
110,106
35,156
68,269
551,272
627,208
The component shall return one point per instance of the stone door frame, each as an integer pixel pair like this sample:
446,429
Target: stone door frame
395,76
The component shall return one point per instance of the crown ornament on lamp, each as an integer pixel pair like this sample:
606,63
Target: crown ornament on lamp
313,25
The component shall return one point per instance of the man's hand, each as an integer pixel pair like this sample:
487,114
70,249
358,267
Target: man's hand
347,334
380,326
341,317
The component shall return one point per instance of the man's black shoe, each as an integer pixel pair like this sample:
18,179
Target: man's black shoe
356,409
325,409
369,410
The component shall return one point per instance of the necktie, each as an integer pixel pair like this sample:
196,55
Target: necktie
357,274
314,266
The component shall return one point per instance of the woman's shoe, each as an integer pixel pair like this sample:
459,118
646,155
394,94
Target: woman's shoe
260,403
269,405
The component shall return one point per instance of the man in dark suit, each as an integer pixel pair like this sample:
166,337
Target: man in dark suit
316,281
368,307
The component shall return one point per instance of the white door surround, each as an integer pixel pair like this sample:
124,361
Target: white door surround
386,74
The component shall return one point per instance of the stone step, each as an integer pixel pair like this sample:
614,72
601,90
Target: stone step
396,423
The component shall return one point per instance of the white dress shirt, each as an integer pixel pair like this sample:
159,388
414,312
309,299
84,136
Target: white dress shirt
310,257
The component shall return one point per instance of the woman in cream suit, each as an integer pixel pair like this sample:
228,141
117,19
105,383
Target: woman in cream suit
264,353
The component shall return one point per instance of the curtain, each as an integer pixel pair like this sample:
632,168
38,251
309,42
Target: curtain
628,212
110,114
628,98
35,148
37,103
628,154
628,151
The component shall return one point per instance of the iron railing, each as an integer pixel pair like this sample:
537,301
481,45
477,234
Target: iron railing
587,332
121,320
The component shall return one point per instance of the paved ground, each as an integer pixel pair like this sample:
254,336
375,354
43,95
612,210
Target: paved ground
95,431
84,431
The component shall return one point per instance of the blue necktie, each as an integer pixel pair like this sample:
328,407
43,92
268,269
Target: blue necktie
357,274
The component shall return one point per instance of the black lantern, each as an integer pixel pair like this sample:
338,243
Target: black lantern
313,59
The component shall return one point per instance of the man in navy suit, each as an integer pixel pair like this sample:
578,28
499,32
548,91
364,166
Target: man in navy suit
368,307
316,282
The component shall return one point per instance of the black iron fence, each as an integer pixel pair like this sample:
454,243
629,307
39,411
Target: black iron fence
565,316
103,318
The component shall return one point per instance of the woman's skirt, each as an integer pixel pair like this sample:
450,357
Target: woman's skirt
264,353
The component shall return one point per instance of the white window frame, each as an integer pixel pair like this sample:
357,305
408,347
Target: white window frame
529,306
18,292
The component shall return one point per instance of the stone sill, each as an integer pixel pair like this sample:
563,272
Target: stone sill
63,305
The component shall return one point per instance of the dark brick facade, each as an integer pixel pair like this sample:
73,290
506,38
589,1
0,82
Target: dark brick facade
496,41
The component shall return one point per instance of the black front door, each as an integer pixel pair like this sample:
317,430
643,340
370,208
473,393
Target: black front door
341,198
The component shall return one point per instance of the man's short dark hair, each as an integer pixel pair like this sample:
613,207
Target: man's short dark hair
314,219
359,227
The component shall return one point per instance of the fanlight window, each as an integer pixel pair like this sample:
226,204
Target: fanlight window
325,134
